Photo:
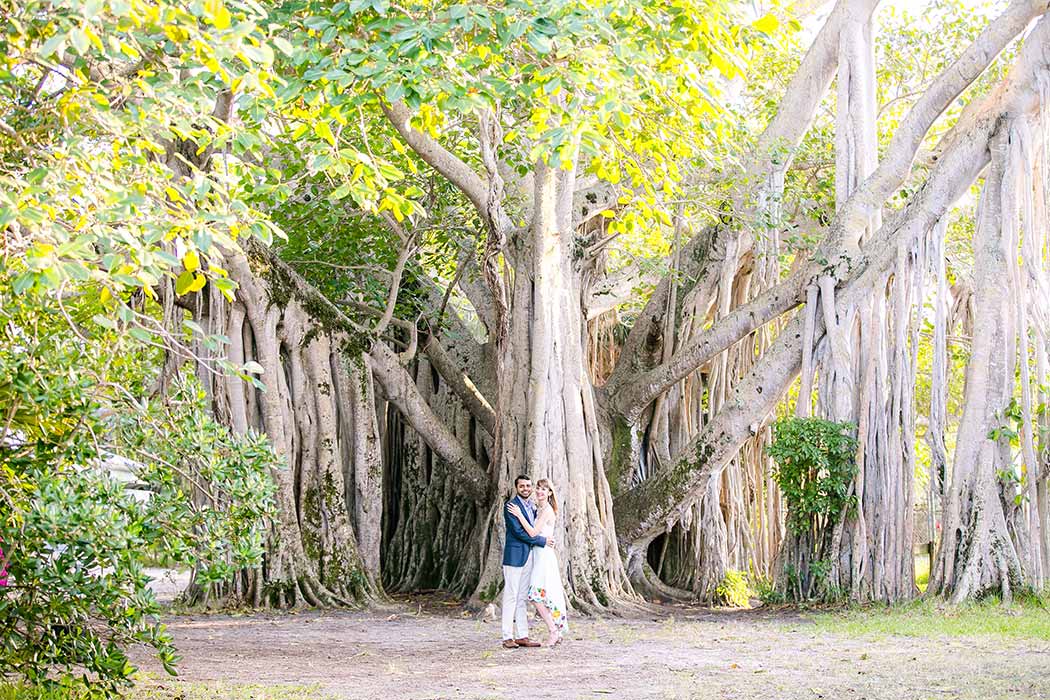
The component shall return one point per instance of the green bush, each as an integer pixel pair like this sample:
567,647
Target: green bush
75,539
815,467
734,590
766,590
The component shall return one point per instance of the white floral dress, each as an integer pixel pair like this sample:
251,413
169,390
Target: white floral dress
545,585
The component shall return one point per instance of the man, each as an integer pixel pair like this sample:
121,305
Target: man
517,567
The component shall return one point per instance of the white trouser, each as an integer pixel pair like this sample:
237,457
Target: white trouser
515,599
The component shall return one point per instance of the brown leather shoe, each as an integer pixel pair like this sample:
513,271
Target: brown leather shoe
526,642
510,644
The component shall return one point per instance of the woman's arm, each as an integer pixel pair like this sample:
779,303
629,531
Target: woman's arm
516,512
514,530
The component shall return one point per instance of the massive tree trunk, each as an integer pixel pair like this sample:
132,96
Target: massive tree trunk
549,424
434,532
988,542
318,410
546,421
977,553
865,364
675,318
737,523
647,509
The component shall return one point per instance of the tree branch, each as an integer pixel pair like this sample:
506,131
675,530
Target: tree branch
784,132
445,162
400,390
461,384
478,294
407,248
608,293
945,88
398,385
632,396
645,510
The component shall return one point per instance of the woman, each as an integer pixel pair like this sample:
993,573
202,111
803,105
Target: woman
545,589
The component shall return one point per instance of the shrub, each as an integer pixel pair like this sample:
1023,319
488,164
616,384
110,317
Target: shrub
815,467
74,538
766,590
734,590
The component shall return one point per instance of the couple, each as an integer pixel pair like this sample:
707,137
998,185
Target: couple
530,566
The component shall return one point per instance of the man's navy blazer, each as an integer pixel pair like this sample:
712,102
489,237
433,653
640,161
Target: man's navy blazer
516,548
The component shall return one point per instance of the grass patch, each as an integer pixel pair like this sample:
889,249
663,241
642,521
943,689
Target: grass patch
174,690
1027,618
922,572
18,691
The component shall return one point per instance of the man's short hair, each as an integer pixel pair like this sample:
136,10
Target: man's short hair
521,477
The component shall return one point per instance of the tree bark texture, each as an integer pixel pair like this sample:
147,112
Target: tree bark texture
318,410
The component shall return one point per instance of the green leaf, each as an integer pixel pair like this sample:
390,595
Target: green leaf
284,46
23,282
394,92
766,24
55,44
226,286
139,333
340,192
104,321
541,43
80,42
183,283
323,130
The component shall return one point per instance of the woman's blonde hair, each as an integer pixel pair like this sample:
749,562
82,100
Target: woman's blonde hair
546,483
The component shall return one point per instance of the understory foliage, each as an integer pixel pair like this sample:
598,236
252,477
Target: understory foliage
815,465
75,539
734,590
815,468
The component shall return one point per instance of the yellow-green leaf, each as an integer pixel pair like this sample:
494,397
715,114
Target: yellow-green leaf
198,283
183,282
322,129
766,24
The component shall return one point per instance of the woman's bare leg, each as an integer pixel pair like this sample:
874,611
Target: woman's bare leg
552,630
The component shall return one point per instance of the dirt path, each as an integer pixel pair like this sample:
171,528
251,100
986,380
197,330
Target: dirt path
407,652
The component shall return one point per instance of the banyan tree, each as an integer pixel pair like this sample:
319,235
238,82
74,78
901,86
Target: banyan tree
587,242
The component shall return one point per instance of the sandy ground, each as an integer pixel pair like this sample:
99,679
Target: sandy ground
429,649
